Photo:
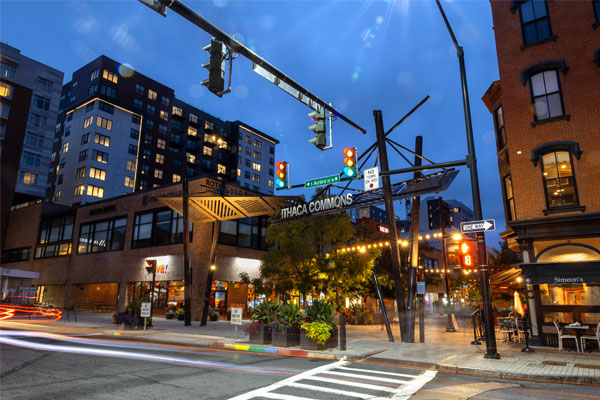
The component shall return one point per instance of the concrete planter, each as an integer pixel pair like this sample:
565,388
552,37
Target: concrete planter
289,338
309,344
263,336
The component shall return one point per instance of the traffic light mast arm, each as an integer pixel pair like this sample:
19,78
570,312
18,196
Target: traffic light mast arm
180,8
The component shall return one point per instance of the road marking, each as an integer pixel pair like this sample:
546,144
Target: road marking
376,372
448,358
330,390
352,383
375,378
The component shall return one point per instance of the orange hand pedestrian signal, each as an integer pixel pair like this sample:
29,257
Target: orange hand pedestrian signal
465,252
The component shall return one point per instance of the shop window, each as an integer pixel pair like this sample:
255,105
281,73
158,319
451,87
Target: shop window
102,236
559,180
15,255
55,237
570,295
156,228
535,22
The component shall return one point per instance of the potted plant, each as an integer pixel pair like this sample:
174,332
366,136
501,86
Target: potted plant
286,330
130,317
170,314
265,314
318,332
213,314
180,314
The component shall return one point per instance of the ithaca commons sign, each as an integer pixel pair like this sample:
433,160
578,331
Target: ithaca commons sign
316,206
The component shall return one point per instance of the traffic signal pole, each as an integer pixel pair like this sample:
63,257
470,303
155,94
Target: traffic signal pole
391,218
490,334
414,249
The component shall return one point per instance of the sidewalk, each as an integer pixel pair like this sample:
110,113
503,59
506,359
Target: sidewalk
442,351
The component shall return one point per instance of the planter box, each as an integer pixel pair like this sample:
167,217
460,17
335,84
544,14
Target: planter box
309,344
289,338
263,336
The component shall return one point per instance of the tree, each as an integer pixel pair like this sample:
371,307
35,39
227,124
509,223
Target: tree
503,259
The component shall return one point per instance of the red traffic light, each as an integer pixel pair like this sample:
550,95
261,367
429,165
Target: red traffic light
349,152
280,165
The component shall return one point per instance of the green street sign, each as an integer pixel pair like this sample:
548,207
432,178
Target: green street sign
321,181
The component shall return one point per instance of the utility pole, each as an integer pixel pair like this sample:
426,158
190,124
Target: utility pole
187,289
490,334
414,251
450,327
391,218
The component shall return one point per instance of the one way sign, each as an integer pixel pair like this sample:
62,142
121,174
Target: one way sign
478,226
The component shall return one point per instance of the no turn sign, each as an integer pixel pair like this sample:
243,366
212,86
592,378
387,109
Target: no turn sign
371,176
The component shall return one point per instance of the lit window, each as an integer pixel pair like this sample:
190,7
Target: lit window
208,126
255,178
95,191
559,180
193,118
102,140
7,70
176,178
5,90
158,173
129,181
257,144
57,195
28,178
510,199
164,115
78,190
500,130
222,143
65,147
270,183
535,22
161,144
98,173
256,155
80,173
256,166
207,151
130,165
192,131
106,74
152,94
191,158
546,96
87,122
160,158
177,111
221,169
104,123
239,172
100,156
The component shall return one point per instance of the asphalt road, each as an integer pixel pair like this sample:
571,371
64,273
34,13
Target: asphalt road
95,367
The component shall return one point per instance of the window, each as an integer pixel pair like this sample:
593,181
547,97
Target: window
107,108
132,149
7,71
59,180
63,162
55,237
5,90
78,190
83,155
135,119
89,107
222,143
129,182
221,169
145,170
57,196
270,183
97,173
256,166
27,178
92,89
546,96
41,102
193,118
88,122
102,140
149,124
511,214
104,123
559,180
100,156
161,144
272,150
256,155
177,164
80,173
207,151
150,109
31,159
535,22
208,126
139,89
147,139
35,120
130,165
248,151
164,115
108,91
65,147
43,84
255,178
101,236
246,232
158,227
257,144
247,174
106,74
134,134
95,191
192,131
596,4
160,158
146,153
33,139
152,94
158,173
177,111
85,138
248,139
15,255
164,101
176,178
138,104
162,129
94,74
5,110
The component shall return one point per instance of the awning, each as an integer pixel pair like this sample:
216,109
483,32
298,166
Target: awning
19,273
561,273
506,277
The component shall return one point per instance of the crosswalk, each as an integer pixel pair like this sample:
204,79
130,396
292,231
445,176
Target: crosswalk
345,380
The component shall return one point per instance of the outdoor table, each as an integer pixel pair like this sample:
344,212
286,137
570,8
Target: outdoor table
579,331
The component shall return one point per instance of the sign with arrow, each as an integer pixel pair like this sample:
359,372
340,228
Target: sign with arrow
478,226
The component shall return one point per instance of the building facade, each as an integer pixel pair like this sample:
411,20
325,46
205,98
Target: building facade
255,157
545,108
29,98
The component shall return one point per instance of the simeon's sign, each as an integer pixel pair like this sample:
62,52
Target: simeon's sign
317,206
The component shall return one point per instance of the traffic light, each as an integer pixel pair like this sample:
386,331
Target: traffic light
282,181
215,66
318,128
350,162
466,254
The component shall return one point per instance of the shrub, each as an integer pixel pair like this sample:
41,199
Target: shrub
320,332
267,312
320,311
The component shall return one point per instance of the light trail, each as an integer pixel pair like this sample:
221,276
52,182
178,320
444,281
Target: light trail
29,313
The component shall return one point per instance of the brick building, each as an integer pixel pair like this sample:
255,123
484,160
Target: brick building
546,109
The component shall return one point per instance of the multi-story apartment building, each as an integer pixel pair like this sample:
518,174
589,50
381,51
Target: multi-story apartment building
454,213
29,96
546,112
256,158
120,131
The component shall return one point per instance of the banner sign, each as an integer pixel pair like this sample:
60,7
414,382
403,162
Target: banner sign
317,206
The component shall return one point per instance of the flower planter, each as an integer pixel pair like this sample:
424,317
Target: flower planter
181,317
309,344
262,336
289,338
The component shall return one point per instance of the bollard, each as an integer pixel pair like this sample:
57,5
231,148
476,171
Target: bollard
342,332
474,323
526,349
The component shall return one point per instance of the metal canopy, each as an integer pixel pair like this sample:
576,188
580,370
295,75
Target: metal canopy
220,208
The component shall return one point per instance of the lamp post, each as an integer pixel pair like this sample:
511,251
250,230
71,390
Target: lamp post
187,289
207,291
151,268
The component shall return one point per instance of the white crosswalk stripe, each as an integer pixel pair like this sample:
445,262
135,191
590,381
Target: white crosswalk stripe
343,380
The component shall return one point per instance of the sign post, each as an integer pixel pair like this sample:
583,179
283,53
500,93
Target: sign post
236,319
145,312
371,177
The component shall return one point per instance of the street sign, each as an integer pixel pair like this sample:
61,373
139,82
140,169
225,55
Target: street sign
478,226
145,312
421,288
371,176
236,315
321,181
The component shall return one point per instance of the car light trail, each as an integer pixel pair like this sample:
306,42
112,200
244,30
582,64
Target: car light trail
29,313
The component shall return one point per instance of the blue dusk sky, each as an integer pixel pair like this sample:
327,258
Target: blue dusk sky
357,55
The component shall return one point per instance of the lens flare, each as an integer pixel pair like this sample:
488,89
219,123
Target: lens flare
126,70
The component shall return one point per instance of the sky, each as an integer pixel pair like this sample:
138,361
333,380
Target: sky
359,56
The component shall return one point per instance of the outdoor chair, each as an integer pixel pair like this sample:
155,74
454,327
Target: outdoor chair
561,337
506,329
519,329
592,338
